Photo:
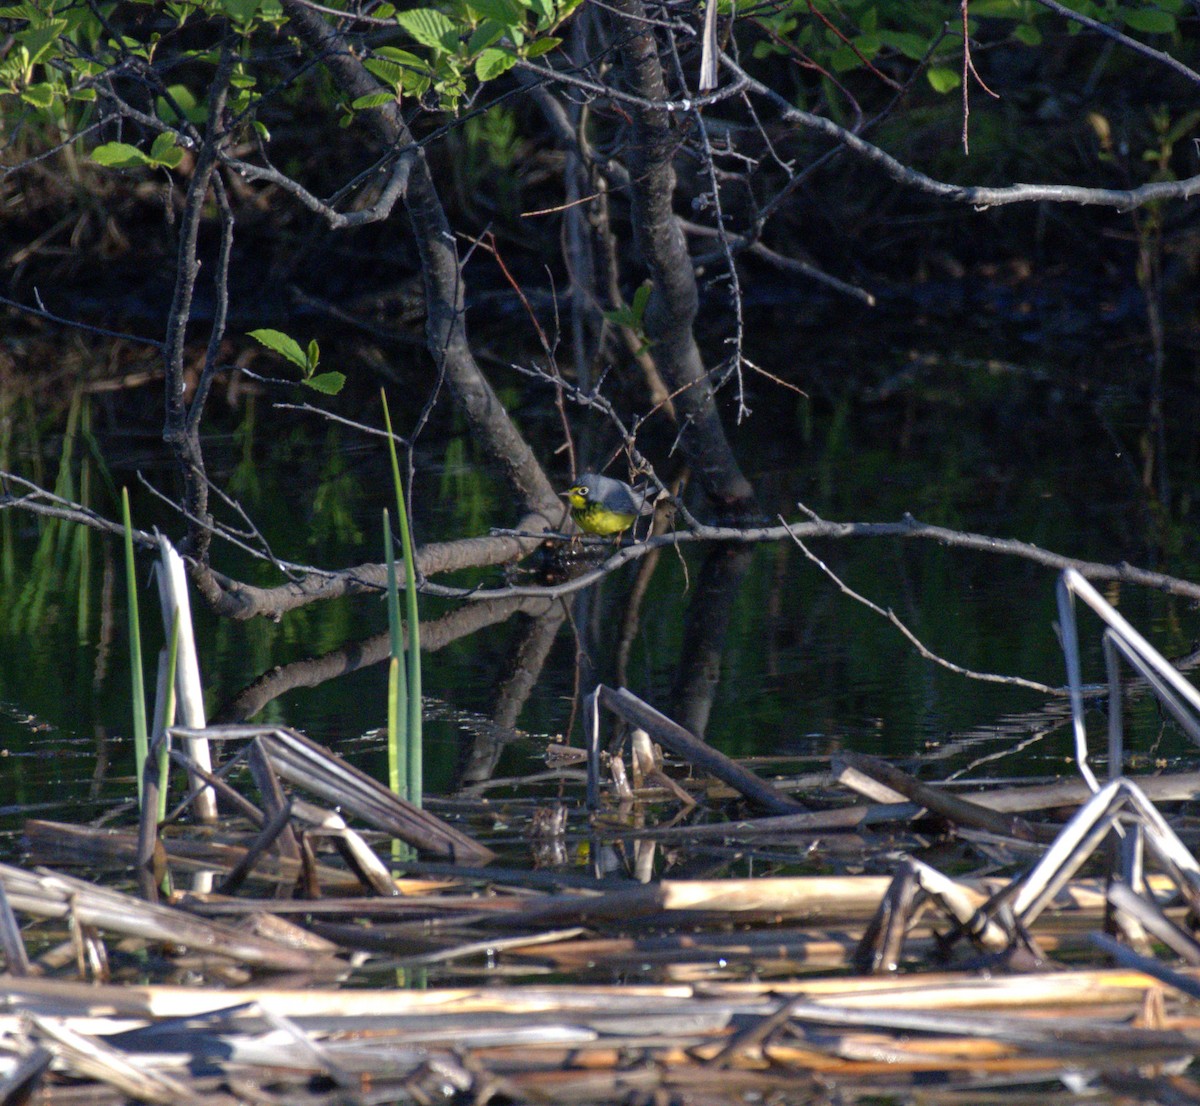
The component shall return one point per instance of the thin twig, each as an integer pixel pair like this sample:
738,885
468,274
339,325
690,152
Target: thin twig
928,654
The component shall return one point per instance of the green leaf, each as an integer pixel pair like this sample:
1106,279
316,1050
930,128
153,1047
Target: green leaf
1028,34
373,100
1183,126
396,68
312,356
166,151
486,34
1151,21
193,110
400,57
415,84
997,9
15,66
640,298
911,46
384,70
241,11
868,45
119,155
491,63
282,344
430,28
39,95
326,383
507,13
943,79
843,60
543,46
38,39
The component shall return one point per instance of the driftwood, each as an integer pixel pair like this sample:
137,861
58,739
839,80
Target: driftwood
690,748
45,894
745,1002
64,843
306,764
957,810
528,1039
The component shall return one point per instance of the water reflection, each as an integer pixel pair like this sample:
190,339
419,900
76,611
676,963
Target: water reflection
751,646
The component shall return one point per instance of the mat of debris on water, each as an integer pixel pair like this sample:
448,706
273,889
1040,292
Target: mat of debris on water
329,942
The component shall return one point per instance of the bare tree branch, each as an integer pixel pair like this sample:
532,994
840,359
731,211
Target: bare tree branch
1124,199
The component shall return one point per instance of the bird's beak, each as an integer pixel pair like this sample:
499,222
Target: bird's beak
564,495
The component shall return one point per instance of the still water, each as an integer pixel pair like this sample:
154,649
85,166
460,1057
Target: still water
1024,446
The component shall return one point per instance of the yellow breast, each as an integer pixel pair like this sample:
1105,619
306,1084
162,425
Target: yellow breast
593,518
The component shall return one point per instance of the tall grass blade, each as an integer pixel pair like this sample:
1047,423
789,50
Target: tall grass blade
44,577
415,748
398,734
138,688
397,760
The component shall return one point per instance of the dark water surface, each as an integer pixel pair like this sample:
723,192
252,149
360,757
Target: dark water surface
1042,447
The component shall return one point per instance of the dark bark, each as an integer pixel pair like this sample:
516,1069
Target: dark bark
446,332
236,599
673,305
181,426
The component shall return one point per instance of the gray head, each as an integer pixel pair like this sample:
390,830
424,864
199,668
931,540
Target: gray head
616,495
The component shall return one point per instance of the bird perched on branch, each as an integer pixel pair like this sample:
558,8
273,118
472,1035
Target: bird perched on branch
604,506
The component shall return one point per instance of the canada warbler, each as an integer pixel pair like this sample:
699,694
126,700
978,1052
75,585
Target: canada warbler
602,505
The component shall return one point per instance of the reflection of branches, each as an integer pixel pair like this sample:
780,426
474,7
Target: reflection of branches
928,654
435,635
705,630
40,312
525,669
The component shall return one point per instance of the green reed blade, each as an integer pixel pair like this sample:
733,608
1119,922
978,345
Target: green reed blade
135,648
415,748
398,733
